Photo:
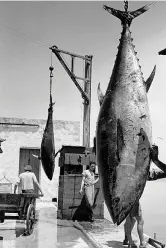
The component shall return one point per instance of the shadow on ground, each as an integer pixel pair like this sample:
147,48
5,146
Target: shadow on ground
114,243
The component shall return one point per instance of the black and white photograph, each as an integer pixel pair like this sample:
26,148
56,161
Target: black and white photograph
82,124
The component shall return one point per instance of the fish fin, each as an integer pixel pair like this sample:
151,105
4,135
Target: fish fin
100,94
150,79
162,52
58,152
120,140
50,99
51,103
36,156
127,16
140,11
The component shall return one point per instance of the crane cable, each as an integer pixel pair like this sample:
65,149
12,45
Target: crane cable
126,5
16,32
51,68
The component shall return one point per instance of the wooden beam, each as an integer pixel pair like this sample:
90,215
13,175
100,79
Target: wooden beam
87,107
86,92
83,79
69,53
72,76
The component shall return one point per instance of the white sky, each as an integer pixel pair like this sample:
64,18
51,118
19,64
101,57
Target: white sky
82,28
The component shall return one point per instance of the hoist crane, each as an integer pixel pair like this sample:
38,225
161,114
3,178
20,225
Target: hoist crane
85,92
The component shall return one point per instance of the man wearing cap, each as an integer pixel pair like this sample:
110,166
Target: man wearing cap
27,180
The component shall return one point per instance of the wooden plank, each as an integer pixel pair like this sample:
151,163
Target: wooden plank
72,176
10,207
10,199
75,188
68,196
71,202
72,159
61,181
92,157
5,188
72,187
69,191
72,182
87,105
60,192
72,179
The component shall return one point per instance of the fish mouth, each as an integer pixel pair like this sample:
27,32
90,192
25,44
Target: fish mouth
118,210
119,216
50,177
49,170
49,174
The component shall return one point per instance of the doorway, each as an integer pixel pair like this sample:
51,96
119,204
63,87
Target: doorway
26,157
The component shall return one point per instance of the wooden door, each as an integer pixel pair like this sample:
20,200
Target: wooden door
27,158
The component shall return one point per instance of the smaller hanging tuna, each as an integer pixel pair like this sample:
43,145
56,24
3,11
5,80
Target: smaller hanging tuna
47,145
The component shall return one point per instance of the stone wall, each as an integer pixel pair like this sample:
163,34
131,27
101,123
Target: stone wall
22,135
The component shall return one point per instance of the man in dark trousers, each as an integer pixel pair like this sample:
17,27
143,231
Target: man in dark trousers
27,180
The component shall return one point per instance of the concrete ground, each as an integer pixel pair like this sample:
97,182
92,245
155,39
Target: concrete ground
70,237
51,232
99,234
44,234
48,232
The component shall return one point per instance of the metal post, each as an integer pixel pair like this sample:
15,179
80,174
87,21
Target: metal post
87,105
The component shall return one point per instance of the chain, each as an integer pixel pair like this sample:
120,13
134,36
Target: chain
125,5
51,68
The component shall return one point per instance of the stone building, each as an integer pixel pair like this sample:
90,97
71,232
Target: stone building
27,133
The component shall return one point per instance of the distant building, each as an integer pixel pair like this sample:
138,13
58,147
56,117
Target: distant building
23,137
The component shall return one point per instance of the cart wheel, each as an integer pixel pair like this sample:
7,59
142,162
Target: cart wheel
30,219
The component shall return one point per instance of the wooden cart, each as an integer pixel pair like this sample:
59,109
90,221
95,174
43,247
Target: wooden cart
23,204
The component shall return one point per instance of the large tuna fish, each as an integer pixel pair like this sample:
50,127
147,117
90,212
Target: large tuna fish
47,146
123,138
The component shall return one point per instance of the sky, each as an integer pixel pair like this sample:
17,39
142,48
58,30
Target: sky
28,29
